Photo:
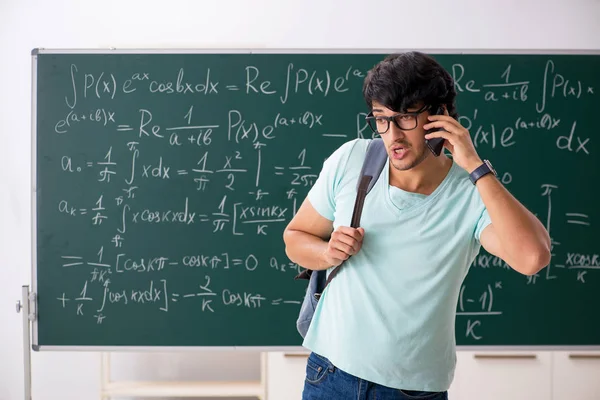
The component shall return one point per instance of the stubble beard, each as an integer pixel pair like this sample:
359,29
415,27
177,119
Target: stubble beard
416,162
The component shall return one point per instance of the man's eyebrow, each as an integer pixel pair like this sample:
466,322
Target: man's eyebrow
378,110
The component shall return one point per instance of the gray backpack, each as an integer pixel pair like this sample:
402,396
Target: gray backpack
317,281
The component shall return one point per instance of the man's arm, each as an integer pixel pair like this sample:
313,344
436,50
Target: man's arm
515,234
311,242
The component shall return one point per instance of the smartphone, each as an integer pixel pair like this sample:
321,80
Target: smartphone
436,144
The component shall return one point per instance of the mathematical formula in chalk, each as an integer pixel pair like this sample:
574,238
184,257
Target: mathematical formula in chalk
166,189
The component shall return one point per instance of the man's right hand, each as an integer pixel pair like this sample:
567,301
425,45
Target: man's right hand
344,242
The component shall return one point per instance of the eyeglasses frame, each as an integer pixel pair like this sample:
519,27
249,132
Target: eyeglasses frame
391,118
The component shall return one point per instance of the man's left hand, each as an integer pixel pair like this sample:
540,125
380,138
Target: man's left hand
458,141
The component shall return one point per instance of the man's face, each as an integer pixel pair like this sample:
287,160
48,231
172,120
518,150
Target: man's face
406,148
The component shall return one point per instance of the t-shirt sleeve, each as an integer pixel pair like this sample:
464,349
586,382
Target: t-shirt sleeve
482,223
322,194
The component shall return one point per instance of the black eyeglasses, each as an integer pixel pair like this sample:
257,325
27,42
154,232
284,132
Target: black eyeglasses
406,121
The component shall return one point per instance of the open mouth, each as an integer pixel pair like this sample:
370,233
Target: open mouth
398,152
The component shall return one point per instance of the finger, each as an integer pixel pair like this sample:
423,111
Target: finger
345,243
338,255
346,230
447,126
343,247
343,238
442,117
355,246
352,232
358,234
358,247
352,243
453,123
449,146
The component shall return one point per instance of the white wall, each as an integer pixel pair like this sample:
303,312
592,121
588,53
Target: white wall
468,24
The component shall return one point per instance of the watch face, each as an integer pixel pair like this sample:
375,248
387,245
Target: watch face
489,164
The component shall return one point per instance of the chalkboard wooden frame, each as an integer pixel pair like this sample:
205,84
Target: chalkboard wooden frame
35,53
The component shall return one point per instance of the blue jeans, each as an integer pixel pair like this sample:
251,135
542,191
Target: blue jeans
324,381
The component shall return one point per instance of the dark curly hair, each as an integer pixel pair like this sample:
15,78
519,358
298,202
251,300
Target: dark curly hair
404,79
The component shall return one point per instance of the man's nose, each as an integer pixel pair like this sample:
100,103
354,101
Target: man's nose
395,132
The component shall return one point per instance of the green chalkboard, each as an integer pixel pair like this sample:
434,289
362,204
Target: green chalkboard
163,182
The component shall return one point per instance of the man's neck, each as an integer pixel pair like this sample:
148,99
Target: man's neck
424,178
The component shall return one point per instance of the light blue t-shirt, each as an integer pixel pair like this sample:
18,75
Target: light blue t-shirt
388,316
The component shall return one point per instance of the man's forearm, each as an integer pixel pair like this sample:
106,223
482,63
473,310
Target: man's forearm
523,238
306,250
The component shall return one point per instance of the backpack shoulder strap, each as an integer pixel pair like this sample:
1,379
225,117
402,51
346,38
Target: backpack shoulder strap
371,169
374,162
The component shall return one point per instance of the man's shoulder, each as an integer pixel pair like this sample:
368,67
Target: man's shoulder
352,146
349,153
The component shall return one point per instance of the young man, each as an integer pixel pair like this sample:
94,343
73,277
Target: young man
384,327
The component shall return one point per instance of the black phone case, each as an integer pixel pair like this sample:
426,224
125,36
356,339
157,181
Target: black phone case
436,144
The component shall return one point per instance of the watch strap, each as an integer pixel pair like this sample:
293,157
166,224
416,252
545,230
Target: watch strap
480,171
